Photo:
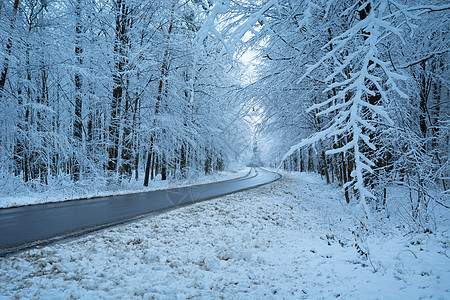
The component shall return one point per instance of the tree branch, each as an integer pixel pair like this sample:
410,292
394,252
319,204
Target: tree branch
424,59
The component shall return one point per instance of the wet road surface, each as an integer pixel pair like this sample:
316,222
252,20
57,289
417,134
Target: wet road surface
28,226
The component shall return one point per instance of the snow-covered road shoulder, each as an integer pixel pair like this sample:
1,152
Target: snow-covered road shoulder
289,239
87,189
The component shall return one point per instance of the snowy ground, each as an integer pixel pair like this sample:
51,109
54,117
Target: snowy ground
14,193
291,239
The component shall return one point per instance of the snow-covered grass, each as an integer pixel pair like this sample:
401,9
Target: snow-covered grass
14,193
291,239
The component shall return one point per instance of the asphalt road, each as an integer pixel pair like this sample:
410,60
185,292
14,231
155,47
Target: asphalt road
28,226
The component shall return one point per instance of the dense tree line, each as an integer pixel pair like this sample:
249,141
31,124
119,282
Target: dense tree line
358,90
120,89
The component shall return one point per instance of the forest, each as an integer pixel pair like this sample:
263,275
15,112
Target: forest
127,90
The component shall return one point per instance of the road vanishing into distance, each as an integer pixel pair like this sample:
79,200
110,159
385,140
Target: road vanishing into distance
29,226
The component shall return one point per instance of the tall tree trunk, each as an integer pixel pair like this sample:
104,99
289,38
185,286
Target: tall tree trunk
136,139
147,168
424,95
183,160
77,121
127,140
120,61
135,124
43,127
164,69
207,162
8,51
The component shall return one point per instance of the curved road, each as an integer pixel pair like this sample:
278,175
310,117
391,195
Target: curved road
28,226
